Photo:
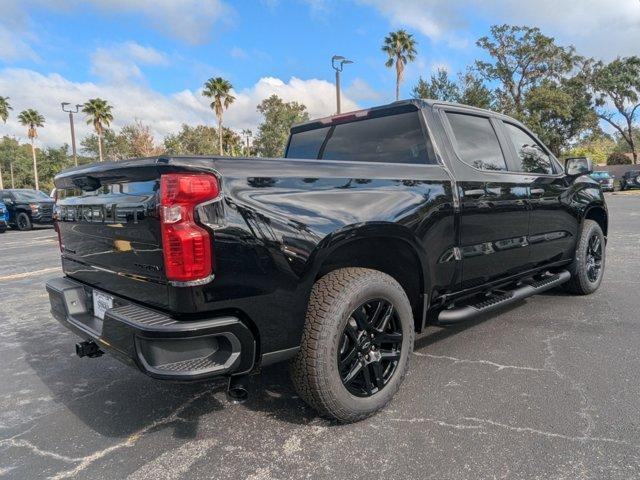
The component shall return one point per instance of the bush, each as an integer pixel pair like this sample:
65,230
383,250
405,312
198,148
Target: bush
617,158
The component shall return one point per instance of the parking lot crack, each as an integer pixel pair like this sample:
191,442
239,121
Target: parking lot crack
533,431
586,409
440,423
86,461
498,366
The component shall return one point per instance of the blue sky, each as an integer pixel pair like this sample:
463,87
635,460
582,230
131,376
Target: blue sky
150,57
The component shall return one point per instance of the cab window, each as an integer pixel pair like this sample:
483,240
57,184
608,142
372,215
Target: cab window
531,157
477,142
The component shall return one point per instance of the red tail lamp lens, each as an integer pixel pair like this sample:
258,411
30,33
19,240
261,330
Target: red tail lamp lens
186,245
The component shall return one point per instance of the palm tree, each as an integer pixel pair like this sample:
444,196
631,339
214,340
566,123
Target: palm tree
4,114
220,90
4,108
99,114
32,120
247,133
401,48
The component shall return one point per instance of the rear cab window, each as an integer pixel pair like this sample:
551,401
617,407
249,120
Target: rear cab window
476,141
384,138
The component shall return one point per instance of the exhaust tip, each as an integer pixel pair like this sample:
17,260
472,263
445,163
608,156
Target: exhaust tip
237,391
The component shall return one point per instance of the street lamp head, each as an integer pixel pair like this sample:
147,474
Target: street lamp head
338,61
64,104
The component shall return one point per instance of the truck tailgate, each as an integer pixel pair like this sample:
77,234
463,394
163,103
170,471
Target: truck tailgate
110,232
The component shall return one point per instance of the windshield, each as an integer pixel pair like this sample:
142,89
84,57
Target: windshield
30,195
601,175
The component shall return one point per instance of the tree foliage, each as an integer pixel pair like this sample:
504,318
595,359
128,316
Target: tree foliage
278,118
400,47
133,141
468,90
617,158
99,115
617,89
5,106
474,92
16,157
438,87
202,140
219,90
596,146
521,58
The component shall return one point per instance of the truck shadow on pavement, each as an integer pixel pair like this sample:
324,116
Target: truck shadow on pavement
113,400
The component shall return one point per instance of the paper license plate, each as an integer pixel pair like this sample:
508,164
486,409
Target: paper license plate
101,303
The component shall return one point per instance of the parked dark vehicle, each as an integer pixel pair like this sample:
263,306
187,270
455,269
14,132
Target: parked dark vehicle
27,207
605,179
4,218
630,179
377,223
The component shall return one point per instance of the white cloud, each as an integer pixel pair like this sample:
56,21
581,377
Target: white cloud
237,52
120,62
360,90
601,28
189,20
14,47
436,19
133,100
145,55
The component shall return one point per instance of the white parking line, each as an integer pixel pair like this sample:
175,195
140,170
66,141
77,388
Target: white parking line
17,276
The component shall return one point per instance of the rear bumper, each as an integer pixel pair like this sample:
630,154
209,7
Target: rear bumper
157,344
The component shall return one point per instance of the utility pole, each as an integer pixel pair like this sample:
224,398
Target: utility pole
338,62
71,111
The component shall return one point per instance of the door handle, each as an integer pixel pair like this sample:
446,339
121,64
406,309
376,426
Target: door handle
479,192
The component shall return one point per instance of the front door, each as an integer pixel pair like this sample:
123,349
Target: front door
553,227
494,208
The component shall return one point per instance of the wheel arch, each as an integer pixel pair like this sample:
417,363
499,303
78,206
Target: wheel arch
388,248
599,214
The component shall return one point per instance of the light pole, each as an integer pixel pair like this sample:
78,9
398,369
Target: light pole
71,111
338,62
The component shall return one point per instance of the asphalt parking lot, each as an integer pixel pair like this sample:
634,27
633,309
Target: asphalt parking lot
547,390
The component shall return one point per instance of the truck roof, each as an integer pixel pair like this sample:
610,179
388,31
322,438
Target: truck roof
401,105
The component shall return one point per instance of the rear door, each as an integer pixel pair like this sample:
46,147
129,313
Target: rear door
553,227
494,211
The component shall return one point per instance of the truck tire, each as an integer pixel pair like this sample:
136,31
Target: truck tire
356,345
589,260
23,222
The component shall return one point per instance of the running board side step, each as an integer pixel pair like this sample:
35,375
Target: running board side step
456,315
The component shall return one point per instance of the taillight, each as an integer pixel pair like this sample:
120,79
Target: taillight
185,244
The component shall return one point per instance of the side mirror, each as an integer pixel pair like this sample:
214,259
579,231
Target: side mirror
7,201
578,166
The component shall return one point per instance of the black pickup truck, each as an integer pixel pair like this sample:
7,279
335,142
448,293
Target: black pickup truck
27,207
375,224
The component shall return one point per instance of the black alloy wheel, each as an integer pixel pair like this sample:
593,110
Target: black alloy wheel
594,258
370,348
23,222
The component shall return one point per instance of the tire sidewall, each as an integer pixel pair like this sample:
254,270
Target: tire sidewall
590,229
28,224
368,288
